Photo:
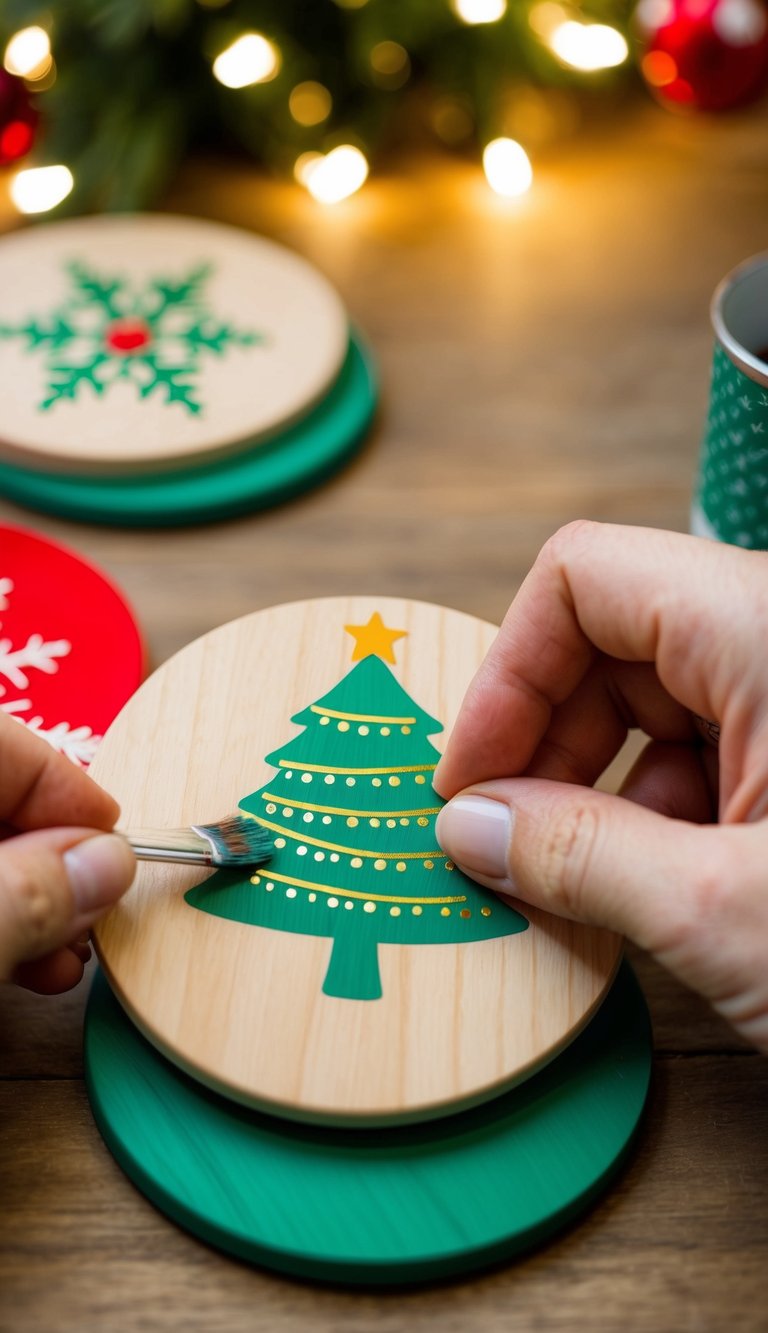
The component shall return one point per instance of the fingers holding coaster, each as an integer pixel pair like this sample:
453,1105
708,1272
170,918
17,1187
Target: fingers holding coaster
707,729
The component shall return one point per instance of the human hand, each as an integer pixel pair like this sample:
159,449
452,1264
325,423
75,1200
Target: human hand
617,628
59,868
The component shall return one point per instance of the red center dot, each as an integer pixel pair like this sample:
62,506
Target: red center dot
128,335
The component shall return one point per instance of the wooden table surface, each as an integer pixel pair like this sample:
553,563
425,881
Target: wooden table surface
541,360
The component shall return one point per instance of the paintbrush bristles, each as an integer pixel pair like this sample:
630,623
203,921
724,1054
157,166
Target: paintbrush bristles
236,841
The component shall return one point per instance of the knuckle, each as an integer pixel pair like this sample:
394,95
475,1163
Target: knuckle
33,910
702,914
579,532
568,853
713,883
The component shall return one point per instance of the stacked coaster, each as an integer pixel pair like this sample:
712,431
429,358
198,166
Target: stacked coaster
352,1062
71,653
159,370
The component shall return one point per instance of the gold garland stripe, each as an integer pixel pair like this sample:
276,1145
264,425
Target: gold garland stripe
351,851
323,768
361,717
352,893
338,810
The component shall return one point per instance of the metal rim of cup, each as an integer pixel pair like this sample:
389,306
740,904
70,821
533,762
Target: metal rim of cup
737,353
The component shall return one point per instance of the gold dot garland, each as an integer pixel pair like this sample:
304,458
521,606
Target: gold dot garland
308,812
369,906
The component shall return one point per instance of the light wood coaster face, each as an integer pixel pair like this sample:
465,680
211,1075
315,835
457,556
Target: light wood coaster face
357,977
154,341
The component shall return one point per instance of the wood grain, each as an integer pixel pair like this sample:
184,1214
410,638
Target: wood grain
384,1206
540,363
240,1006
679,1242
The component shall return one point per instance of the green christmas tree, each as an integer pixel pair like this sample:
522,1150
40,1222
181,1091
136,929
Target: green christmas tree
352,810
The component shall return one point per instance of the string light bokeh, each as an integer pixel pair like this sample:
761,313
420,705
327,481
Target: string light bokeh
486,77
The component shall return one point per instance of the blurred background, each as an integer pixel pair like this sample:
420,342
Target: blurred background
524,205
100,100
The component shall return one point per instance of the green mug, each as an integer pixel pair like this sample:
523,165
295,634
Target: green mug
731,498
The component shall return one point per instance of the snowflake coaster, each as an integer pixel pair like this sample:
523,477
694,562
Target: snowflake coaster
131,344
70,650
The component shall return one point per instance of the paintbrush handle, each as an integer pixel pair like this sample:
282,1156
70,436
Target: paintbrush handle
178,845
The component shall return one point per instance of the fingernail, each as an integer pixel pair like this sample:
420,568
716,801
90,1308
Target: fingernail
99,870
477,833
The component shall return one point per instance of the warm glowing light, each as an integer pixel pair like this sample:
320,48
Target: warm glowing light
389,57
546,16
251,59
28,54
479,11
310,103
37,189
351,4
659,68
507,167
588,46
303,166
333,177
390,63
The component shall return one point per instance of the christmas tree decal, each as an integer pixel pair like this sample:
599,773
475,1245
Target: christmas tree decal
108,330
352,811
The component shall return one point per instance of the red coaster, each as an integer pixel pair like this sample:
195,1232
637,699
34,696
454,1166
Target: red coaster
71,653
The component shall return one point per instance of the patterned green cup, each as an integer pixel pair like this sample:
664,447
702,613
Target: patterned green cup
731,499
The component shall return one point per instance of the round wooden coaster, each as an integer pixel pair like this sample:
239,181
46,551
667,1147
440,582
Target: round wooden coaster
358,976
375,1206
268,474
70,650
149,341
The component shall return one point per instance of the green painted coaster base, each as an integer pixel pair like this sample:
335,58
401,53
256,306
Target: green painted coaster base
375,1207
262,476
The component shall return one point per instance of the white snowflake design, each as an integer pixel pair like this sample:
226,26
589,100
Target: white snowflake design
77,743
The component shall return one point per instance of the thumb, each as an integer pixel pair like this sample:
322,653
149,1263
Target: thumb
54,883
692,895
588,856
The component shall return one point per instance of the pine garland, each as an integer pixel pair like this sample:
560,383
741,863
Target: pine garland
134,89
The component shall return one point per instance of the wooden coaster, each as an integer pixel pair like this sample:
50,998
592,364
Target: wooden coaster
270,473
145,342
358,976
70,650
375,1206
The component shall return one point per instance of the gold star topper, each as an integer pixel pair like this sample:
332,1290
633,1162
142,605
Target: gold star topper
374,638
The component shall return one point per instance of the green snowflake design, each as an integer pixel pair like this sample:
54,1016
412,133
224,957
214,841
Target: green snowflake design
108,330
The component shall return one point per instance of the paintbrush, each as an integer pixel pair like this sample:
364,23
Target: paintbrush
235,841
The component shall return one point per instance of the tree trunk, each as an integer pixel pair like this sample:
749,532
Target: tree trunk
353,969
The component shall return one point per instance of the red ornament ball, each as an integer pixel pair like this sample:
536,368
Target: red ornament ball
18,119
704,55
